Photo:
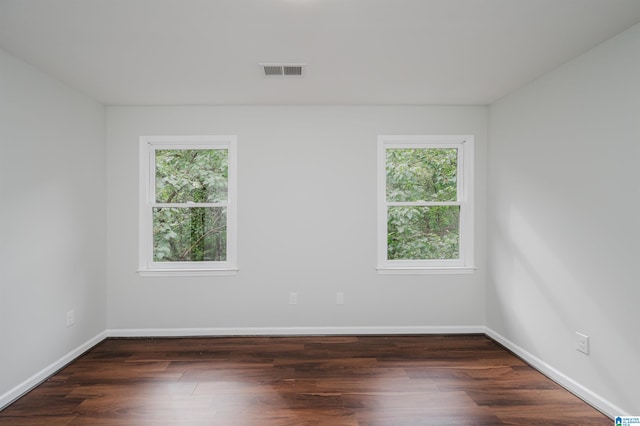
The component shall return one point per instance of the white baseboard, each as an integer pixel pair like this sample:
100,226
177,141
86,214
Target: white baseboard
42,375
560,378
293,331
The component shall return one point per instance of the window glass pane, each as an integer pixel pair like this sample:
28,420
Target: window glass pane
191,175
418,232
421,174
190,234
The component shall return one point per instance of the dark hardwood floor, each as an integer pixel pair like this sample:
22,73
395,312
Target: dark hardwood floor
371,380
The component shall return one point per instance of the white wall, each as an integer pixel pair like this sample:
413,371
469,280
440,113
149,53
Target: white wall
564,231
307,222
53,221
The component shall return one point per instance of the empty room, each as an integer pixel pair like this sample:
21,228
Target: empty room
319,212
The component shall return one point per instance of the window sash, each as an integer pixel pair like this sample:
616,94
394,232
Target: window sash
148,147
464,199
423,145
177,147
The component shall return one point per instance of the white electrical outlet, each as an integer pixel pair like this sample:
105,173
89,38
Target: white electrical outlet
340,298
293,298
71,318
582,343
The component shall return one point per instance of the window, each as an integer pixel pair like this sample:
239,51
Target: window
425,204
187,205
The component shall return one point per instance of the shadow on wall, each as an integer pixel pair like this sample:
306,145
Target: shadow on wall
534,289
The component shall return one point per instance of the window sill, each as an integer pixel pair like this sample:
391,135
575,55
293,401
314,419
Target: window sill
390,270
186,272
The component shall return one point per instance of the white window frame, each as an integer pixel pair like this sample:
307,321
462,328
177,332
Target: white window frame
465,192
148,146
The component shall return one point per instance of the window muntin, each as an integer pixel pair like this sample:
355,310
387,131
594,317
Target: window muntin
425,206
187,211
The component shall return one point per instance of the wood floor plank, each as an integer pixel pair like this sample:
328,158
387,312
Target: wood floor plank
323,380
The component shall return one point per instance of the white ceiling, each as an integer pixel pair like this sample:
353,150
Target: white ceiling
180,52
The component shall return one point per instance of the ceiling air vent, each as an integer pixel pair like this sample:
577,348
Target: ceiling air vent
283,70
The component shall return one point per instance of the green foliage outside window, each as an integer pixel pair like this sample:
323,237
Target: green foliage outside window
196,175
187,233
416,175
